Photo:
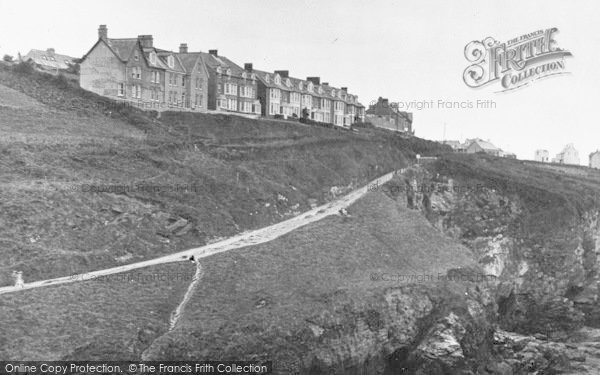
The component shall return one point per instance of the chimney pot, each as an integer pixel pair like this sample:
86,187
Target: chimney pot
146,41
213,52
183,48
102,32
314,80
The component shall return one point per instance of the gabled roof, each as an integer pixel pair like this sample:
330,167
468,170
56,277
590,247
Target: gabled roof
484,145
453,144
212,62
49,59
163,56
188,60
597,152
295,88
123,48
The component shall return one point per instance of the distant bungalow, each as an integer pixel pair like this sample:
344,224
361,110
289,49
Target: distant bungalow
48,60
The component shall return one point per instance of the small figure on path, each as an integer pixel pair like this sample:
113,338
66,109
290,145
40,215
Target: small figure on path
18,276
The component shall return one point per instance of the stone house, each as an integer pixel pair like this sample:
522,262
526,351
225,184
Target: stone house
133,70
542,156
569,155
595,159
387,115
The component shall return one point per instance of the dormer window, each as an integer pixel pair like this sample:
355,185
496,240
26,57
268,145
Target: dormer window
320,90
300,85
310,86
252,76
332,92
244,75
171,61
288,83
136,57
219,70
267,78
153,57
277,79
229,72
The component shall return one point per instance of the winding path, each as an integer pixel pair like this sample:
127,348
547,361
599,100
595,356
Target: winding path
249,238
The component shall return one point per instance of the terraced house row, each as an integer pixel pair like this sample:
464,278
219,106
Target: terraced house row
133,70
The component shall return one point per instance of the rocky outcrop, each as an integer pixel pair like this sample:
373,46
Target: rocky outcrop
546,268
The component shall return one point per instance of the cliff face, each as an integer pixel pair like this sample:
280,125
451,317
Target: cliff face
539,241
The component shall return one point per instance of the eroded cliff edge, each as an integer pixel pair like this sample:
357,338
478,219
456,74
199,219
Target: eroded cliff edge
533,227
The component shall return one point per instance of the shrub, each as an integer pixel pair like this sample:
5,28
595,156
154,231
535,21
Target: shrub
7,58
23,67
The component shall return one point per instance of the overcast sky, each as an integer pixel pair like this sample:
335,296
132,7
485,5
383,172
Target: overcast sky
403,50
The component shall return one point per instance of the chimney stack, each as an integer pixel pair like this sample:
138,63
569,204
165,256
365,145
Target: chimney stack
345,89
213,52
314,80
325,84
50,51
283,73
147,41
102,32
183,48
248,67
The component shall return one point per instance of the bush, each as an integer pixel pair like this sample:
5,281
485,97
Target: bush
23,67
7,58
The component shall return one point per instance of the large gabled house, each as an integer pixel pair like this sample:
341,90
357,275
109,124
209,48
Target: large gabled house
282,95
231,88
135,71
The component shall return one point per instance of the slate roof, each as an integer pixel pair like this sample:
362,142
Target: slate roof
49,59
485,145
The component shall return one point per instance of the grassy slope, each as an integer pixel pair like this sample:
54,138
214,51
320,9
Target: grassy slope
257,302
251,302
112,319
63,139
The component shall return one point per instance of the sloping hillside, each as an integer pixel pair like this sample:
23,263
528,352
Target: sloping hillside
334,293
87,184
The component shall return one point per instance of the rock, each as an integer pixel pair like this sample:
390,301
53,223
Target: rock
184,230
181,222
